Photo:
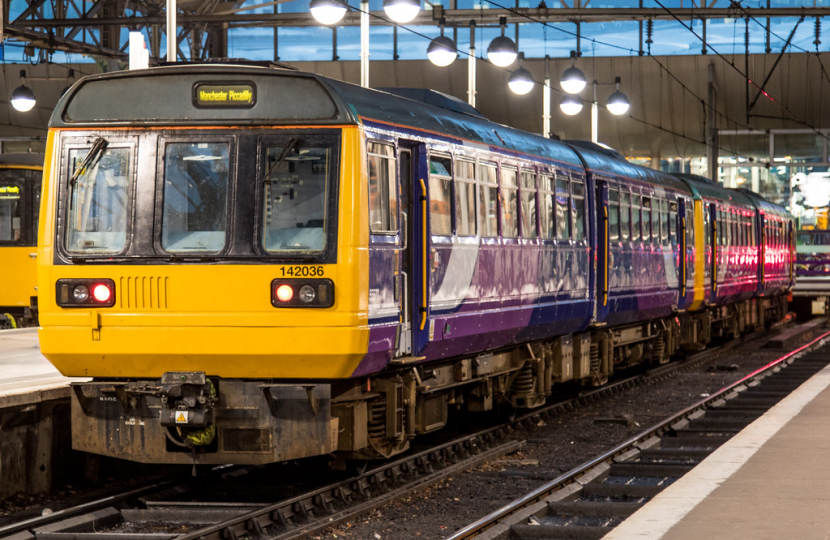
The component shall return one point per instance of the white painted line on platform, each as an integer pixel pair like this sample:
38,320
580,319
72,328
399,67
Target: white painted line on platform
663,512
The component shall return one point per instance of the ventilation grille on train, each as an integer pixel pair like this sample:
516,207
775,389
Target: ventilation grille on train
143,293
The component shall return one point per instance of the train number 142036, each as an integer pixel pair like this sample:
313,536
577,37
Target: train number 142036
301,271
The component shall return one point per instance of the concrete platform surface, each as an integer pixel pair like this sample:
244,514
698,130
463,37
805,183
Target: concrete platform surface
770,481
26,376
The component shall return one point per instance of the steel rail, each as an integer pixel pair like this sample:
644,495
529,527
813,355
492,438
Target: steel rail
569,477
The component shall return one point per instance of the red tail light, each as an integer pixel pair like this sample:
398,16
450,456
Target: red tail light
285,293
101,293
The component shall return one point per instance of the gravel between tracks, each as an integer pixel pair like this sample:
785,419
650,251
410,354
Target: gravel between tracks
553,446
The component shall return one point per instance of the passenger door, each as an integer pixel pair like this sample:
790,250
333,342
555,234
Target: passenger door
413,270
603,247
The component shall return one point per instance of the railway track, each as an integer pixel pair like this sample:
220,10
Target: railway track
590,500
162,511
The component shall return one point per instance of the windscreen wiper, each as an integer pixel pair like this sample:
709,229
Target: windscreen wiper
97,149
289,146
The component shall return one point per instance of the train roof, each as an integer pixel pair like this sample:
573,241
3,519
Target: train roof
705,188
600,160
199,95
765,205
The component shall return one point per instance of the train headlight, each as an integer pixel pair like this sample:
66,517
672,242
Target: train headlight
307,294
85,293
303,293
80,294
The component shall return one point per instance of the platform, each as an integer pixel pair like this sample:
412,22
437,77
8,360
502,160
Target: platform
770,481
26,376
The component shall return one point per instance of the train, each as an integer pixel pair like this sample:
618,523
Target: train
255,264
811,295
20,185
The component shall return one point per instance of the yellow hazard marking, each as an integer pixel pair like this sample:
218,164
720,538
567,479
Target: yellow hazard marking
181,418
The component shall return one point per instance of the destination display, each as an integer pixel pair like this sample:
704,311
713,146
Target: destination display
206,94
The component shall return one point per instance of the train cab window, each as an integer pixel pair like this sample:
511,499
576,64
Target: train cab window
488,202
195,197
562,214
720,227
383,196
11,210
297,181
440,195
664,223
613,215
625,215
546,206
673,223
647,219
528,195
465,198
635,218
578,204
509,203
97,222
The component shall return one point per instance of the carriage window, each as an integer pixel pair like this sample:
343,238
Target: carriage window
489,194
562,214
655,221
297,177
664,225
673,223
509,203
546,222
440,195
528,204
383,196
465,198
719,225
646,219
11,210
729,228
625,215
97,222
613,215
635,218
690,228
578,200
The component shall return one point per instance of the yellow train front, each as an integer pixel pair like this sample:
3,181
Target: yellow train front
156,185
20,180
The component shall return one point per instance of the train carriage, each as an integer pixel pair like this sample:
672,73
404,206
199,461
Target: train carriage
257,264
20,184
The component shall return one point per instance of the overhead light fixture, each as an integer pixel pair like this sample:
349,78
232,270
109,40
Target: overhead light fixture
617,102
23,98
401,11
573,80
502,51
328,12
442,50
570,105
521,81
